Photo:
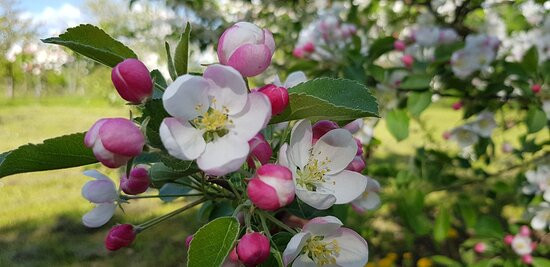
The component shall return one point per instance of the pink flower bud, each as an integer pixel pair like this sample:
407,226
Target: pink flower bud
253,249
233,256
278,97
354,126
132,80
359,147
137,183
536,88
508,239
271,188
259,150
309,47
119,236
457,105
446,135
298,52
188,240
480,247
399,45
357,164
247,48
524,230
114,141
527,259
321,128
407,60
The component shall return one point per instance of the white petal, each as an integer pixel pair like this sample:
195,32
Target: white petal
354,250
538,222
294,79
294,247
100,191
224,155
346,185
229,90
372,185
318,200
253,117
282,158
368,201
546,195
323,226
95,174
99,216
338,146
277,80
241,33
187,97
181,140
300,143
304,261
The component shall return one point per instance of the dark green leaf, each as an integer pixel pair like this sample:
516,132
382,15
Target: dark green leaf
212,243
530,61
416,82
172,189
377,72
397,122
56,153
92,42
154,110
171,67
181,56
160,84
326,98
418,102
535,120
379,47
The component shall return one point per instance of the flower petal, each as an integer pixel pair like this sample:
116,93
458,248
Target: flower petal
294,79
346,185
181,139
253,117
368,201
304,261
258,54
338,146
300,143
269,41
323,226
318,200
187,97
539,222
91,135
224,155
282,157
99,216
96,175
230,89
100,191
108,158
354,250
294,247
239,34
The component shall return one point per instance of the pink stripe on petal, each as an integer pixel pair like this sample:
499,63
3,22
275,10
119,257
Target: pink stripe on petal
91,135
250,60
121,136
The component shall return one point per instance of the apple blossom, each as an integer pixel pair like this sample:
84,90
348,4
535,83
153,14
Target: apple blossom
508,239
478,53
426,35
357,164
119,236
132,80
464,135
114,141
541,220
323,241
247,48
188,240
319,170
399,45
102,192
278,96
480,247
322,127
484,124
253,249
538,182
354,126
293,79
536,88
232,260
137,183
457,105
260,150
407,60
370,199
447,36
522,245
213,119
271,188
366,133
527,259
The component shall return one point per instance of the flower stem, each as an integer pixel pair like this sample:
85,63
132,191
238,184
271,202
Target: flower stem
277,222
162,218
126,197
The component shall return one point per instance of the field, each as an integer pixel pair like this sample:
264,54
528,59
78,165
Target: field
40,214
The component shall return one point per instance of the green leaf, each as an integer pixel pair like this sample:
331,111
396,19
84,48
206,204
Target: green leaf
540,262
56,153
212,243
530,61
177,164
160,173
418,102
535,120
181,57
327,98
445,261
488,226
160,84
303,210
172,189
377,72
154,110
442,224
416,82
467,212
397,122
171,67
379,47
92,42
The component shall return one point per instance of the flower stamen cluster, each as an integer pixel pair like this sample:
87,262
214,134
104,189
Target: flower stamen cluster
322,252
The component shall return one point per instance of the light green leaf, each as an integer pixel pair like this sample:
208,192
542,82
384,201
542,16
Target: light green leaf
445,261
418,102
442,224
416,82
488,226
327,98
181,56
56,153
92,42
535,120
212,243
540,262
397,122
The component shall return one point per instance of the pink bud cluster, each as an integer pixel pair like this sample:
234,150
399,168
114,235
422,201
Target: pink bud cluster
522,244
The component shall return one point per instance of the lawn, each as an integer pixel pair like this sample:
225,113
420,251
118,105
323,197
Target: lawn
40,215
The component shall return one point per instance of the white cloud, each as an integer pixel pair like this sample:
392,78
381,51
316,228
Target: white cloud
53,21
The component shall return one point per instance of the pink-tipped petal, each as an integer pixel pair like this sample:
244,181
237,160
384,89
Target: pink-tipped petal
250,59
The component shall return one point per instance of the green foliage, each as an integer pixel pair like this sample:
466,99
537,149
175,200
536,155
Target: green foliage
182,51
379,47
442,224
94,43
398,124
213,242
418,102
530,60
535,120
56,153
326,98
416,82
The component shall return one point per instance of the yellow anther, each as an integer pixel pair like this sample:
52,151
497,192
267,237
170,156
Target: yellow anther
312,174
322,252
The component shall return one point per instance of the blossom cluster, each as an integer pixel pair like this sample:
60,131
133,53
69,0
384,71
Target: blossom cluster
477,55
469,133
538,183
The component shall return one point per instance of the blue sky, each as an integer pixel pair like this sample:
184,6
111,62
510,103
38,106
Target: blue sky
52,17
36,6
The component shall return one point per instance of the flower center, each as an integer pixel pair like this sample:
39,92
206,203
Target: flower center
322,252
312,174
214,123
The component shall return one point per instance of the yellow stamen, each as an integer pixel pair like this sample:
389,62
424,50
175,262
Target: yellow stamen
322,252
312,174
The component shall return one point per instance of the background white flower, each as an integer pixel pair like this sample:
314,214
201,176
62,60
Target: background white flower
370,199
541,220
539,182
102,192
